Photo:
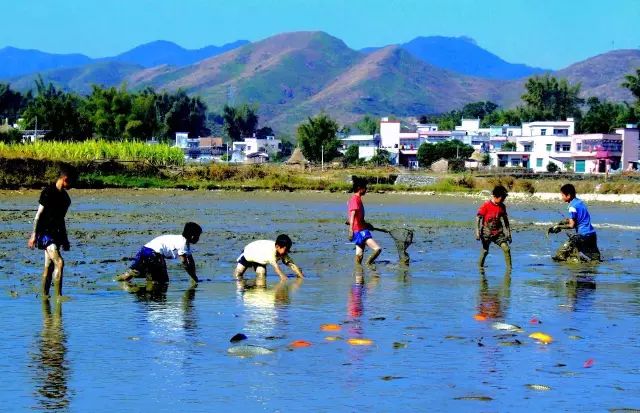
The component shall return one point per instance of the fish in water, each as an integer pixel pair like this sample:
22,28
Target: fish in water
539,387
330,327
624,410
504,326
541,337
360,341
248,351
238,337
479,398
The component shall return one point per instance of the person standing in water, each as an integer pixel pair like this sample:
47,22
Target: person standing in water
50,231
490,228
359,229
585,240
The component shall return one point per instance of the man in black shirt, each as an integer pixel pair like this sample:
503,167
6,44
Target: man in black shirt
50,232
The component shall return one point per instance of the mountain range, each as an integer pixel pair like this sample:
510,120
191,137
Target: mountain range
295,75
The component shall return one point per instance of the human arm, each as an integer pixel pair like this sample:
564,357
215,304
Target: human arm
278,271
478,226
567,223
32,240
352,216
507,228
190,266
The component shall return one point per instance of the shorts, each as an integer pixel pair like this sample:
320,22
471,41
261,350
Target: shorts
497,239
360,238
151,265
243,261
43,241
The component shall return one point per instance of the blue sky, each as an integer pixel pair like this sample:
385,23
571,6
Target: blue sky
545,33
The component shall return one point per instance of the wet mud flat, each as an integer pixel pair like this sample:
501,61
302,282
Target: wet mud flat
345,338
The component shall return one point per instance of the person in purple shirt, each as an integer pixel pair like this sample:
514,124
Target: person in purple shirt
584,242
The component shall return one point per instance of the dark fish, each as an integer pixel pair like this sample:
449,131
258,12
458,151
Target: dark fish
238,337
398,344
478,398
389,378
378,318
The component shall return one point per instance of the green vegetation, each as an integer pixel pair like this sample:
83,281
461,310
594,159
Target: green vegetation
93,150
317,138
428,153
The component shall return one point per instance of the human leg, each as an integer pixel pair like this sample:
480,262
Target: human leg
375,250
261,276
58,267
359,254
485,251
46,275
507,253
588,245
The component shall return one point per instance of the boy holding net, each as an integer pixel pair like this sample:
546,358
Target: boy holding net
359,229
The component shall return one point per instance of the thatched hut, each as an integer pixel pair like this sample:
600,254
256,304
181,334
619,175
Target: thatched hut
297,159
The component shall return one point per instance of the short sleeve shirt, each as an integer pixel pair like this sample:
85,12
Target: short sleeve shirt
579,213
56,203
491,214
264,252
355,204
170,246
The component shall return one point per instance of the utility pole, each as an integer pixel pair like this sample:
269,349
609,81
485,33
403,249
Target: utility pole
35,132
322,156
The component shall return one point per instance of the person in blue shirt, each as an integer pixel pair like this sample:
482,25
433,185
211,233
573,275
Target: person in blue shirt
584,243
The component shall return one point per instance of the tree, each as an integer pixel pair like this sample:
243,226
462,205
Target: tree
57,111
509,146
502,117
264,132
478,109
12,103
317,138
453,149
240,121
603,117
552,167
547,98
368,125
632,82
352,155
381,158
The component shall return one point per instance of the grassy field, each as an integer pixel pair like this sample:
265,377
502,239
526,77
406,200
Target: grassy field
92,150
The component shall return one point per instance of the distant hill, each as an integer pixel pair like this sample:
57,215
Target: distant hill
162,52
80,79
292,76
602,75
463,55
17,62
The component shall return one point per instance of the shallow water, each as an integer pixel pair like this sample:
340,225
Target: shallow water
107,349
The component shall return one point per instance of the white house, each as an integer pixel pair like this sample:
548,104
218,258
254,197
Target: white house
367,144
249,146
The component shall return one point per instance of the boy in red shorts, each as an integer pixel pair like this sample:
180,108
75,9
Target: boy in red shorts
489,225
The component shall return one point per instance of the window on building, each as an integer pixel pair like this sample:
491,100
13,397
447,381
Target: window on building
563,146
543,132
561,132
548,147
539,162
510,133
578,147
527,147
515,162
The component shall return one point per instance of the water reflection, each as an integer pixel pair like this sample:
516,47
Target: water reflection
581,287
493,302
264,306
50,367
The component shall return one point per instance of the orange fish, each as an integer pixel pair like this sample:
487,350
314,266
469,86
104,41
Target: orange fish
300,343
330,327
480,317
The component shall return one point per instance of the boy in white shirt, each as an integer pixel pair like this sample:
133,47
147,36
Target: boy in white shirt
150,260
258,254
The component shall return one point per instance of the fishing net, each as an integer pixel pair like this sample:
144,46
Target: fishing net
403,238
